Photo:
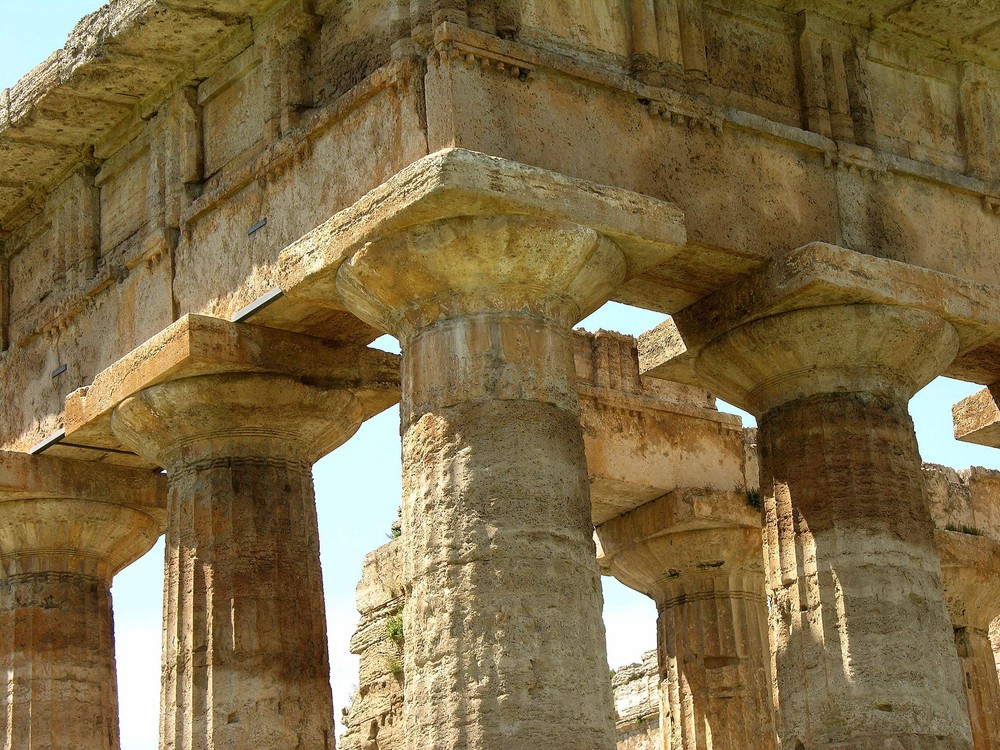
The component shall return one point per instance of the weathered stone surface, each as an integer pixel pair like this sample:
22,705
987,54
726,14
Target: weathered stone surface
66,528
848,534
636,689
245,658
146,149
374,719
197,345
995,640
816,276
185,158
646,437
495,477
698,555
964,506
977,418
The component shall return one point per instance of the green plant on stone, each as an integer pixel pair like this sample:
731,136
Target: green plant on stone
394,628
963,529
753,499
395,667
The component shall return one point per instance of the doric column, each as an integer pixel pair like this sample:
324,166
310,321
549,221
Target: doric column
66,527
826,347
699,556
504,640
865,654
244,645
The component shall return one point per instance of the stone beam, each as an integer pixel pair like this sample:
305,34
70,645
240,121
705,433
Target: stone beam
66,528
646,437
977,418
813,276
199,346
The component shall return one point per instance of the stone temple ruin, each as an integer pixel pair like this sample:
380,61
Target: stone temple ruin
209,210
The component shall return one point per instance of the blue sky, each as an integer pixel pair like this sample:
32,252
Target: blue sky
358,486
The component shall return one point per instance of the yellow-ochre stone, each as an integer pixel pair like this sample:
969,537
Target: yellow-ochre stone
208,212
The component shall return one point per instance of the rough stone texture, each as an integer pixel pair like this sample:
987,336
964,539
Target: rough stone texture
139,164
889,673
143,151
636,689
196,346
66,529
698,555
977,418
374,719
646,437
498,549
864,651
965,507
245,660
995,640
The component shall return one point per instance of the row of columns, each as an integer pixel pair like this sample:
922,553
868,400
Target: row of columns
505,644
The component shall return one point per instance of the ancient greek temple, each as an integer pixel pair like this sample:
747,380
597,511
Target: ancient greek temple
209,209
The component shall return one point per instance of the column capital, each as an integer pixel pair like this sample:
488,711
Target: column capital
67,516
546,268
682,536
823,319
198,348
216,417
455,196
883,349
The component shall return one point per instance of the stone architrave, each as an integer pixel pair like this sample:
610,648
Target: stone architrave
66,528
826,347
698,555
505,647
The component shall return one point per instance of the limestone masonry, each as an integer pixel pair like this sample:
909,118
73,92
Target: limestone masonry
209,210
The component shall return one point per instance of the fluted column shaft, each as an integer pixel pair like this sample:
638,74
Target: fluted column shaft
865,648
245,659
698,556
497,533
504,642
244,641
58,654
713,644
